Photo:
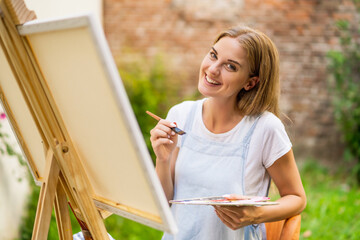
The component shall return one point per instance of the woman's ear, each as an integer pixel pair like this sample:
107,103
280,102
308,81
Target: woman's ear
251,83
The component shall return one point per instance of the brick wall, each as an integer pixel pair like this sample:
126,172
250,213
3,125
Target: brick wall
303,30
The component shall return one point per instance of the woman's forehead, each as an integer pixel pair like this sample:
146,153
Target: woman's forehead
230,48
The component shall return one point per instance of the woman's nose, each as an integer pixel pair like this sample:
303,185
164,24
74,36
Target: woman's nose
214,68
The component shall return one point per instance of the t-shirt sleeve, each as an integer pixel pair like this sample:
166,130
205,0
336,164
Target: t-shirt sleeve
276,142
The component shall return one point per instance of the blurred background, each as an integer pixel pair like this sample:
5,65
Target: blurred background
158,46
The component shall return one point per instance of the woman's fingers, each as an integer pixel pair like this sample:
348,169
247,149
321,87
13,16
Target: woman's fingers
159,133
237,217
166,123
231,213
226,219
161,141
162,129
166,129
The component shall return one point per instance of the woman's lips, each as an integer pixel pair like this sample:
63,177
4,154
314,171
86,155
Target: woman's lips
211,81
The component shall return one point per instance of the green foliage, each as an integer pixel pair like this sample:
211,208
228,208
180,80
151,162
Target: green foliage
149,87
6,148
345,69
332,210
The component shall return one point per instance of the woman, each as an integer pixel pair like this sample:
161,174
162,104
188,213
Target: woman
235,143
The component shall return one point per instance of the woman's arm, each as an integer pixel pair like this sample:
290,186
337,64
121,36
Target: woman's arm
163,141
166,174
286,177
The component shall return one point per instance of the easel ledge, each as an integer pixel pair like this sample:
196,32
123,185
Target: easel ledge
65,179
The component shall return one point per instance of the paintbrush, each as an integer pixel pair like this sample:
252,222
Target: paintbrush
175,129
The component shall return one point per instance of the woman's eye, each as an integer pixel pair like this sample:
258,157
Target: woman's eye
212,55
230,66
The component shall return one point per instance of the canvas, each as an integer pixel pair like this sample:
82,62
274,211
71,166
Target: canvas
87,91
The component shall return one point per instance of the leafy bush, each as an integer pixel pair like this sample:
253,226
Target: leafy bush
149,87
6,148
345,69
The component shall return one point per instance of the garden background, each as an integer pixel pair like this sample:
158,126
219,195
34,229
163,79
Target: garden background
158,46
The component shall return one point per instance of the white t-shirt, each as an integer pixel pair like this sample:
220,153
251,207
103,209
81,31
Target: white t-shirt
269,142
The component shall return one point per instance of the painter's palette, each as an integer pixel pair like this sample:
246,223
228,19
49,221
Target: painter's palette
223,201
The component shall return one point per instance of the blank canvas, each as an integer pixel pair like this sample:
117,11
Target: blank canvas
83,79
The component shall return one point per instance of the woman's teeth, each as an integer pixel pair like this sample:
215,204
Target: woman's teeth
209,80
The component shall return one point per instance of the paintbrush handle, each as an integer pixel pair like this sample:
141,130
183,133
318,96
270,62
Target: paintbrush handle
154,116
175,129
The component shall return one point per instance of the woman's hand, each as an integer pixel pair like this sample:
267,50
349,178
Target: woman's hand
163,140
237,217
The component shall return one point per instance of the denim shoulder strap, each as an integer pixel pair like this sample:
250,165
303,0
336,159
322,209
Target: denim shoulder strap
248,135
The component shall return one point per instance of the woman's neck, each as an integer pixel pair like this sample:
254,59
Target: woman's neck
220,116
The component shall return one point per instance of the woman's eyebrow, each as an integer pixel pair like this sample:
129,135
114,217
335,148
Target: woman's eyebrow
214,50
233,61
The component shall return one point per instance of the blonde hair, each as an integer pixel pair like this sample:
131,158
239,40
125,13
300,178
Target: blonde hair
263,59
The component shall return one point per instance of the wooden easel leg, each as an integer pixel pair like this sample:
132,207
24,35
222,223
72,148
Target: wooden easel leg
62,214
46,198
82,194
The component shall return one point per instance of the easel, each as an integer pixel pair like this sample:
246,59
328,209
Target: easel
65,178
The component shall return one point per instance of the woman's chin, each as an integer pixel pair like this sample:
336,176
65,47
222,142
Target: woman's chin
203,91
206,90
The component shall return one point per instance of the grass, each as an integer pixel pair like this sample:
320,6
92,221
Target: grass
333,205
122,228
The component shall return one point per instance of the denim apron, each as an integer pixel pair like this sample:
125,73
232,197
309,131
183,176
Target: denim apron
207,168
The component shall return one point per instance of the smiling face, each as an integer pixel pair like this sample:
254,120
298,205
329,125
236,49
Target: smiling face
224,70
